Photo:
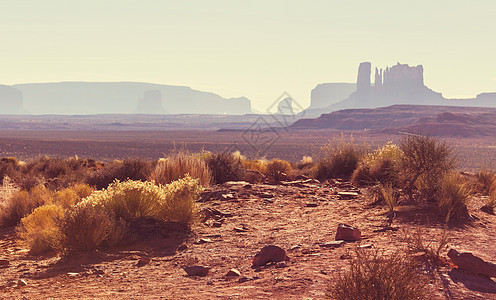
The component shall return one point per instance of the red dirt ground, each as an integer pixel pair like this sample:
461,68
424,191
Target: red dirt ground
297,216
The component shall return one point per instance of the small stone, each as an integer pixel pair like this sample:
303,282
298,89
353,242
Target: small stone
347,233
269,253
332,244
312,204
240,229
217,224
366,246
345,256
72,274
197,270
21,283
245,279
282,264
233,273
143,261
204,241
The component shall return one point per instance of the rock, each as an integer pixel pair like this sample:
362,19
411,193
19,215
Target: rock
98,272
197,270
347,233
4,263
363,78
245,279
333,244
347,195
312,204
143,261
72,274
241,229
21,283
150,103
282,264
217,224
366,246
469,262
269,253
233,273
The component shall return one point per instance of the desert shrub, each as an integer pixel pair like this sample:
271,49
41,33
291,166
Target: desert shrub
380,166
22,203
41,228
179,203
374,275
82,190
453,196
424,157
225,167
278,170
178,165
7,189
129,168
258,165
85,227
417,242
340,159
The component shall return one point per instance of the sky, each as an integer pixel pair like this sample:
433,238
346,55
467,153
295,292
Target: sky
258,48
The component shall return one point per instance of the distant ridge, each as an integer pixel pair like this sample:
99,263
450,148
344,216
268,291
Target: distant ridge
81,98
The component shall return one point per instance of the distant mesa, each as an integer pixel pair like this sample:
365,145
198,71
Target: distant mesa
285,107
11,102
399,84
150,103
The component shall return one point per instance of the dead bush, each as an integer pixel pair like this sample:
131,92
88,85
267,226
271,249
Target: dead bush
418,243
375,275
129,168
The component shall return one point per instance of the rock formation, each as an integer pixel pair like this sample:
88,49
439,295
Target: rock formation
285,107
150,103
11,101
363,78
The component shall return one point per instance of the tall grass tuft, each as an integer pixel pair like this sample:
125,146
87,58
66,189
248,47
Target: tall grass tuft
453,196
340,159
225,167
178,165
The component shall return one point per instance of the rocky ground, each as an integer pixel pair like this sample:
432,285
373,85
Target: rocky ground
240,219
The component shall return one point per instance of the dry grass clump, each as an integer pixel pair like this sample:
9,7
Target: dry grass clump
375,275
41,228
278,170
486,181
416,242
340,159
225,167
178,165
7,189
453,196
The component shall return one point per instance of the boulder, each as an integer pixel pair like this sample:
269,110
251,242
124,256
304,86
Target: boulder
471,263
269,253
347,233
197,270
4,263
143,261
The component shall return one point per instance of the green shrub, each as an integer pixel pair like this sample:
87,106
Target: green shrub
373,275
453,196
41,229
278,170
225,167
340,159
178,165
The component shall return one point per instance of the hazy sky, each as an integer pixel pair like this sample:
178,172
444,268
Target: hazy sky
257,49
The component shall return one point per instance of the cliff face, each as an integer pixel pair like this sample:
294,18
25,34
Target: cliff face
11,101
